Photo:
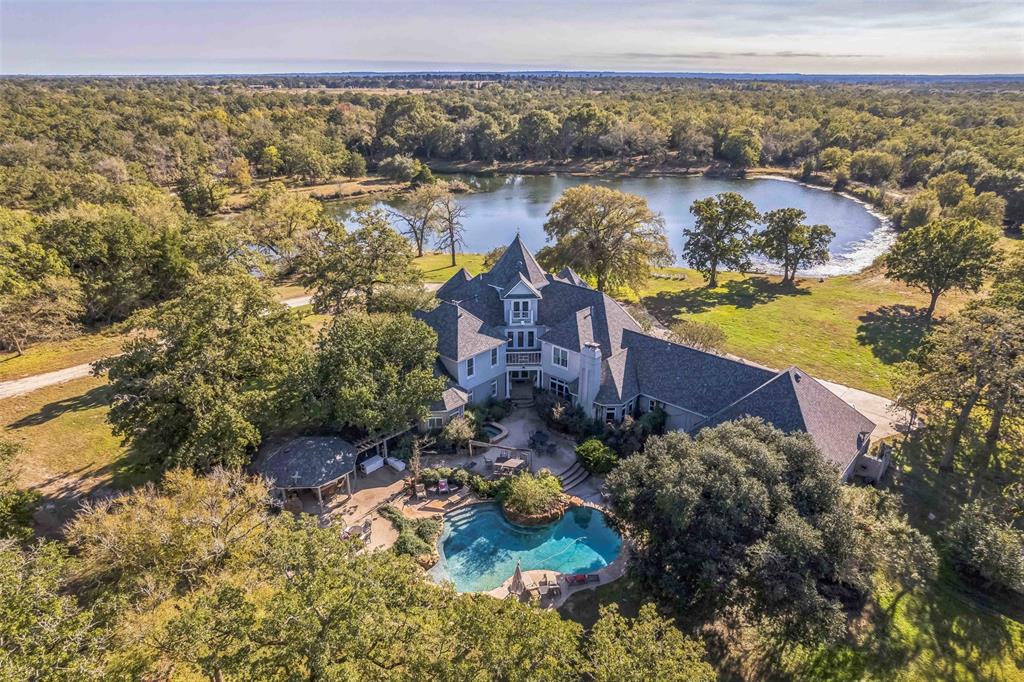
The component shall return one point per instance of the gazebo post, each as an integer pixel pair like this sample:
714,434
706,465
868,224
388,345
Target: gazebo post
320,498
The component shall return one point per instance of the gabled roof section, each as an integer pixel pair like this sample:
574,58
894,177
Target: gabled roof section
521,288
460,333
574,332
618,379
794,401
569,275
516,259
453,396
454,283
562,301
696,381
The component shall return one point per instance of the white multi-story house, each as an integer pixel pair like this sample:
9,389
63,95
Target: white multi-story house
517,327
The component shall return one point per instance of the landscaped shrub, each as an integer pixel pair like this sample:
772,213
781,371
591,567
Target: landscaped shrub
416,537
429,477
459,477
484,488
532,494
982,546
492,410
458,431
596,457
565,417
628,436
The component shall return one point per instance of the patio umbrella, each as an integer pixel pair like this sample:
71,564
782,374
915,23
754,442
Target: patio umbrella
517,586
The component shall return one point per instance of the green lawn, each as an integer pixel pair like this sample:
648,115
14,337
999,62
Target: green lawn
850,329
437,267
46,357
69,448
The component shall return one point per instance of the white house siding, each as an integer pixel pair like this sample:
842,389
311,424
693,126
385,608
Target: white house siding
567,374
482,370
481,392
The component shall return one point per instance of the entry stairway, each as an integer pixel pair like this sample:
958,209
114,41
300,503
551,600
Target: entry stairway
573,476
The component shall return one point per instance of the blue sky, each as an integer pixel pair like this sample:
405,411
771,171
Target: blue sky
768,36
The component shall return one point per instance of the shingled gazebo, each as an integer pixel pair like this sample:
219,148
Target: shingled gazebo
317,463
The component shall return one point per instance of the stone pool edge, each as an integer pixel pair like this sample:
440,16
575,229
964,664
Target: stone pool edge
613,571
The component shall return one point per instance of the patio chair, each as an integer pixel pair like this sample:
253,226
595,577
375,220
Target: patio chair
442,486
420,490
365,530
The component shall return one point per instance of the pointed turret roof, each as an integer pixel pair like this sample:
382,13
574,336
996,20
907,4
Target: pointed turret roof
516,260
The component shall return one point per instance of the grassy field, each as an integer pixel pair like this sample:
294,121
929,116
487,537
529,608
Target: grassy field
437,267
46,357
850,329
69,448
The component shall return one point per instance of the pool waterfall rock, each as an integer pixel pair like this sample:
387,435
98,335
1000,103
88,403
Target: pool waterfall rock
542,519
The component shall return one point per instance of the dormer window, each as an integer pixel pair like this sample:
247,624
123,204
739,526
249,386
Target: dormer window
521,312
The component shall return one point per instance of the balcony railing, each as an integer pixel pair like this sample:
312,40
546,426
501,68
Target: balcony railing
522,357
521,318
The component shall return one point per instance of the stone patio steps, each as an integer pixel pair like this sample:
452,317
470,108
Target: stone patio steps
573,476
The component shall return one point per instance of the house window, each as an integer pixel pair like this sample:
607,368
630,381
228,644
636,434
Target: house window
494,389
510,336
470,369
529,339
520,311
435,423
629,408
653,404
559,388
609,414
559,356
494,357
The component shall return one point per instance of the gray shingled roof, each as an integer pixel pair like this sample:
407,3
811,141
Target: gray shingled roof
609,320
795,401
688,378
456,281
569,275
308,462
516,259
521,279
460,334
618,379
574,332
452,396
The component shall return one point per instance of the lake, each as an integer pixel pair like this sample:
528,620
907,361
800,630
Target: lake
500,205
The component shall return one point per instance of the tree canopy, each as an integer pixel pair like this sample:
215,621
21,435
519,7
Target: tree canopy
721,236
376,372
611,236
787,240
742,516
210,372
348,269
943,255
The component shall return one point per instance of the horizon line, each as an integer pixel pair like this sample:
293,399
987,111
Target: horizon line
515,72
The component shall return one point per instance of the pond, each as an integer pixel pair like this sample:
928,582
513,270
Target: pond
501,205
480,547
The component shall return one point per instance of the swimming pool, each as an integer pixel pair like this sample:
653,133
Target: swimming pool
480,547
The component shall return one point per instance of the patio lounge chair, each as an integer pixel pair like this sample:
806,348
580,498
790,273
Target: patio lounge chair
442,486
365,530
593,578
419,490
576,579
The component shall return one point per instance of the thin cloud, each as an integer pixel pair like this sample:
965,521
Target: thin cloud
714,54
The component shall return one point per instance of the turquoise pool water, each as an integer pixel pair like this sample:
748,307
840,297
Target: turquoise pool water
479,547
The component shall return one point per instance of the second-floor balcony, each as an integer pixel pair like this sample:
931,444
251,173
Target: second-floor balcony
522,357
525,317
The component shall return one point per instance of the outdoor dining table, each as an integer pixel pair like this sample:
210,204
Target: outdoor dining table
510,464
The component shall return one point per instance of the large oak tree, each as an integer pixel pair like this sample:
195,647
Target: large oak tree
611,236
943,255
208,375
721,236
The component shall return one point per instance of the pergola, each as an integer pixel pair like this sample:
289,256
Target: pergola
310,463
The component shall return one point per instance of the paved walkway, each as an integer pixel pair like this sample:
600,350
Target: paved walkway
16,387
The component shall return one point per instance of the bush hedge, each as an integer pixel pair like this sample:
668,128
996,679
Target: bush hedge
596,457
